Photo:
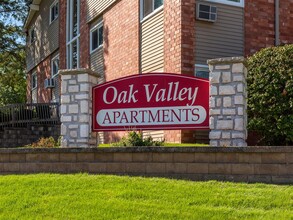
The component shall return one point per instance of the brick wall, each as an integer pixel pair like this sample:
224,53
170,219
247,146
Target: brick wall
18,137
286,21
255,164
260,24
179,47
121,40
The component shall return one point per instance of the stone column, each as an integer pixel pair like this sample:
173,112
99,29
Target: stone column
76,108
228,102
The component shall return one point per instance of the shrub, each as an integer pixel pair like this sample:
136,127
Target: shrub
135,139
45,143
270,94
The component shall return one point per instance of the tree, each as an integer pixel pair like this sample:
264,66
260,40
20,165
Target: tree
12,43
270,94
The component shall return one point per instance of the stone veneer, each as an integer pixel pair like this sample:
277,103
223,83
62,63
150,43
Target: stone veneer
228,105
76,108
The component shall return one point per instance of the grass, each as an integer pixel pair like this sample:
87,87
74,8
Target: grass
170,145
83,196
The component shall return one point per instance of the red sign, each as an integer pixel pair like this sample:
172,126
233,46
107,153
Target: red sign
153,101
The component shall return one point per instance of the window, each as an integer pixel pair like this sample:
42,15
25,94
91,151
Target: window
73,14
54,11
34,81
54,66
150,6
96,37
239,3
202,71
32,35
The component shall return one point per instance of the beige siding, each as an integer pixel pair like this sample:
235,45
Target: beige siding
223,38
152,43
152,54
96,7
47,40
97,57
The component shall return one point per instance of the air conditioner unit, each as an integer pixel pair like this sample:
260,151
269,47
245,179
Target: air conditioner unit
206,12
49,83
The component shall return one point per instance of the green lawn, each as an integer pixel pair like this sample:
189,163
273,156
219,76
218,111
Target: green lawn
85,196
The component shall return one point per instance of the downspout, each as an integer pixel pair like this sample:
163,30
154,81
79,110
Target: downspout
277,23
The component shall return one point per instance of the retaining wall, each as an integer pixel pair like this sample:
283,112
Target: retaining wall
251,164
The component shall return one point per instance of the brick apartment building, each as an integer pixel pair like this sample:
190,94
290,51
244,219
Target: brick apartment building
118,38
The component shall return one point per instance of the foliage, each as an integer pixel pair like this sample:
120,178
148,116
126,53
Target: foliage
135,139
12,55
270,94
83,196
45,143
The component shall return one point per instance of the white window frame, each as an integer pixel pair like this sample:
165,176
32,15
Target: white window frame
96,27
52,65
32,39
34,74
70,40
200,66
227,2
51,7
155,11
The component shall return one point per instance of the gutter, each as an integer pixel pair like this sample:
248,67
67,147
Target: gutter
277,22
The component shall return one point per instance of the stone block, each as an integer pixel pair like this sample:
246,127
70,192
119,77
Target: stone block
240,169
72,82
84,87
268,169
176,167
226,77
226,135
227,90
213,90
183,157
225,143
65,99
227,158
219,102
237,135
286,169
240,87
73,109
68,157
84,106
66,77
227,102
198,168
72,126
220,168
215,111
214,143
155,168
122,157
237,68
97,168
204,157
212,102
73,89
239,124
4,158
84,118
215,77
85,157
84,131
82,96
215,135
11,167
63,109
139,168
240,111
73,134
222,67
17,157
224,124
239,100
83,77
229,111
238,78
142,157
104,157
163,157
212,122
252,158
272,158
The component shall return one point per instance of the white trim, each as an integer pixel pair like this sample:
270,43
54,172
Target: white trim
50,16
142,19
36,86
69,33
96,27
52,63
227,2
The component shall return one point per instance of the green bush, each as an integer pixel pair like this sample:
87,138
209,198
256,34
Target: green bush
45,143
135,139
270,94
